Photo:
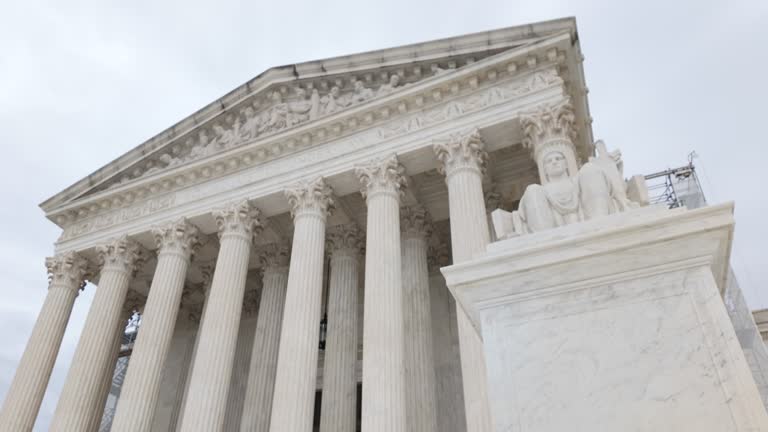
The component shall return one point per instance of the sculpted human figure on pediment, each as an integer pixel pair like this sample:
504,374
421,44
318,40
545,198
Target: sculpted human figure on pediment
390,86
361,93
333,101
597,189
251,121
303,109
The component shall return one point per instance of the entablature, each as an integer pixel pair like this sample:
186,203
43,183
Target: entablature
472,92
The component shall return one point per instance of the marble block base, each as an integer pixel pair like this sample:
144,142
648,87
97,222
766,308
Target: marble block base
614,324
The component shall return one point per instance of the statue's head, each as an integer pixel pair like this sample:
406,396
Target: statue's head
555,164
358,85
300,93
335,91
394,80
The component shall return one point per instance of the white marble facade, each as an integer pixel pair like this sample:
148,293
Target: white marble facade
333,192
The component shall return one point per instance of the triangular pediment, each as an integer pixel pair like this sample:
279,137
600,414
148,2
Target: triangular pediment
290,97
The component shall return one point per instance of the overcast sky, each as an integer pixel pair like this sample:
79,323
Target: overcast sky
82,82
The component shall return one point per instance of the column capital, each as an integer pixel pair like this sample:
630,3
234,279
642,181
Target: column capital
438,256
345,240
461,151
238,219
67,269
548,128
415,222
178,237
382,175
275,257
122,254
313,197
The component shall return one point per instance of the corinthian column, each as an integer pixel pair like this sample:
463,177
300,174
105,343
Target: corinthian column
257,407
239,380
383,358
22,403
462,159
80,394
207,396
421,400
133,301
338,410
176,242
294,399
549,128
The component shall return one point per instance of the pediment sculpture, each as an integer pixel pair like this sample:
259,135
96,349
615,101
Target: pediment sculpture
597,189
256,120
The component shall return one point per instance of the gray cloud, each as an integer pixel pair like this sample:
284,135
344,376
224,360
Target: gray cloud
82,82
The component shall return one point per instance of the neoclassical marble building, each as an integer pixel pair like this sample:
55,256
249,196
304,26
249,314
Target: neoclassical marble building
315,206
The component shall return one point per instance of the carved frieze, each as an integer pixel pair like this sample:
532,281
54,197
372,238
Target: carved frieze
282,110
416,114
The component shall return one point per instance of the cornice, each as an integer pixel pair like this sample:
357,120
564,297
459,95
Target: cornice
519,63
499,39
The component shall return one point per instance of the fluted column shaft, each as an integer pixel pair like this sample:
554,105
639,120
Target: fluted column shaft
338,411
97,411
463,160
176,242
94,350
257,408
239,380
197,315
293,403
421,399
22,402
383,345
132,303
207,396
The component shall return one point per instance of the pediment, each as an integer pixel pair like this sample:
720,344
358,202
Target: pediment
293,98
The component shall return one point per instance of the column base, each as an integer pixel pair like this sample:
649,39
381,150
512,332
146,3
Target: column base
612,324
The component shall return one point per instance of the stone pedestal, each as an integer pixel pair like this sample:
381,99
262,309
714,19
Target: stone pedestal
383,344
22,403
294,398
338,409
94,350
612,324
206,402
176,242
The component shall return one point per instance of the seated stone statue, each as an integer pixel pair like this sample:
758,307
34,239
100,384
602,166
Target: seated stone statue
598,189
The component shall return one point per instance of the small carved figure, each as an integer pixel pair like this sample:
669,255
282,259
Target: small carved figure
169,160
333,101
361,93
250,128
389,87
303,109
277,116
225,138
598,189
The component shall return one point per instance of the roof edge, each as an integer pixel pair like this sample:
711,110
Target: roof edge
454,45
